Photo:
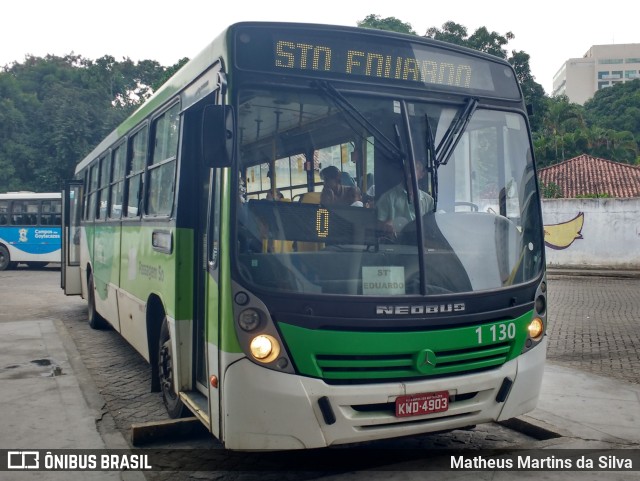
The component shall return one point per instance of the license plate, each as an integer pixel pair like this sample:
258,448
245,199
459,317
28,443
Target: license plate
420,404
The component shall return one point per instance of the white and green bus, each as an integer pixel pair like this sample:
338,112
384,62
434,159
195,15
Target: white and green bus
295,323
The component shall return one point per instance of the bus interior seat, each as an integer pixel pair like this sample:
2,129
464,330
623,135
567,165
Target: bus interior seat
277,246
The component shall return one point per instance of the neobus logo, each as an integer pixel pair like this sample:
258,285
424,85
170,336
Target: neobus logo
417,309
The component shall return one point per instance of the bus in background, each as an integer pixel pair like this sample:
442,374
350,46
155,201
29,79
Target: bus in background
30,226
197,229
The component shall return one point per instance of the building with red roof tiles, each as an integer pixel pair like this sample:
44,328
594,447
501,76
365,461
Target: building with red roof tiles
587,176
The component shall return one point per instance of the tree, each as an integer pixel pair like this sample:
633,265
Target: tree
168,73
550,190
495,44
617,108
389,23
54,110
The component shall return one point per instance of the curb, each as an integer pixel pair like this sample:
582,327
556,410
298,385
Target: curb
587,272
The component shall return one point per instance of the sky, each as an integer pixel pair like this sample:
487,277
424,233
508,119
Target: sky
551,32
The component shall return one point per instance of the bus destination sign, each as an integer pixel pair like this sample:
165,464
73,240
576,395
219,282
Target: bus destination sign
373,63
372,57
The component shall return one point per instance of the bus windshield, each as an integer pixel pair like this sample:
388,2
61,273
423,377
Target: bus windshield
359,195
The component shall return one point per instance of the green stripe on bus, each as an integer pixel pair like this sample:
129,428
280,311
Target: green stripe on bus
378,355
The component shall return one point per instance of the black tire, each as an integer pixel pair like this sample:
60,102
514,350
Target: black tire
96,321
36,265
172,402
5,259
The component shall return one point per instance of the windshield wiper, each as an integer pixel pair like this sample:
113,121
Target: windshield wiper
454,133
432,164
341,102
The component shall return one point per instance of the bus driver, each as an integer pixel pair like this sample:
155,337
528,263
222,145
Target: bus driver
394,211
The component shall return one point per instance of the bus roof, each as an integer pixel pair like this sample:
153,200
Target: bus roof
216,51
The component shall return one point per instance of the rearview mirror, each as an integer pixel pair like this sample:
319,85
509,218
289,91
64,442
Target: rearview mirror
217,135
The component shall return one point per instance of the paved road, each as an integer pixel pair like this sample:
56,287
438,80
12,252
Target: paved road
593,327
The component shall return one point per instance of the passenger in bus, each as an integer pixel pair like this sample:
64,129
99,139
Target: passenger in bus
279,195
394,211
334,192
357,199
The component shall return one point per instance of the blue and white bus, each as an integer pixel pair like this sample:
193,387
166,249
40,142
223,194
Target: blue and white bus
30,231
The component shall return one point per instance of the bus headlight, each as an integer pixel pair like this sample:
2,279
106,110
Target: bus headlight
536,328
264,348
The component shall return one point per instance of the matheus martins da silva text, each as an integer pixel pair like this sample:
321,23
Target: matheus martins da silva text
542,463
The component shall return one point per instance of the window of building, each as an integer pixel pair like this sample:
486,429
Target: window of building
631,74
632,60
607,61
602,85
166,130
603,74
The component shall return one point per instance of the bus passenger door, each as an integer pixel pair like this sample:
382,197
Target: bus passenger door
206,290
70,279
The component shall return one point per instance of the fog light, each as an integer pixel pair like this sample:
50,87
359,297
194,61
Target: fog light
264,348
249,319
536,328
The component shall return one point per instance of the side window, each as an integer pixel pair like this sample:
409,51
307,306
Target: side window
137,160
119,159
166,130
90,213
85,194
103,193
4,212
24,212
51,212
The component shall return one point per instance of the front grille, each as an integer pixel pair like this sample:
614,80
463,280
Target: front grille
405,365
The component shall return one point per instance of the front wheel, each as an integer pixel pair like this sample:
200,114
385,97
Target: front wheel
5,258
172,402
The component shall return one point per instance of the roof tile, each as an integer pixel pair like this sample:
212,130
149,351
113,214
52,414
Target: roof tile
586,175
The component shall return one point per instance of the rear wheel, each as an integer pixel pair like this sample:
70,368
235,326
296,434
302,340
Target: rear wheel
172,402
96,321
5,258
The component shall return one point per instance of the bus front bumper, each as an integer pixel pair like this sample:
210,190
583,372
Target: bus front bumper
268,410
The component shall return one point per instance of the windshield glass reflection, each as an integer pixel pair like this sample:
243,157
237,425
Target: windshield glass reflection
354,198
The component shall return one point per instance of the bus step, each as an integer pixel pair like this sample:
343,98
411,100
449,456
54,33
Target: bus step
198,404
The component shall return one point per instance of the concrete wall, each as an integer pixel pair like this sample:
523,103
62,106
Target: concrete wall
598,233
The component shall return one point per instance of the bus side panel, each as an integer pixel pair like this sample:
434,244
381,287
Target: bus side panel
32,244
144,271
106,271
134,289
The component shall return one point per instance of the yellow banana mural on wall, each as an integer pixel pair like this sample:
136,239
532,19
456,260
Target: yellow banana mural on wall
560,236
